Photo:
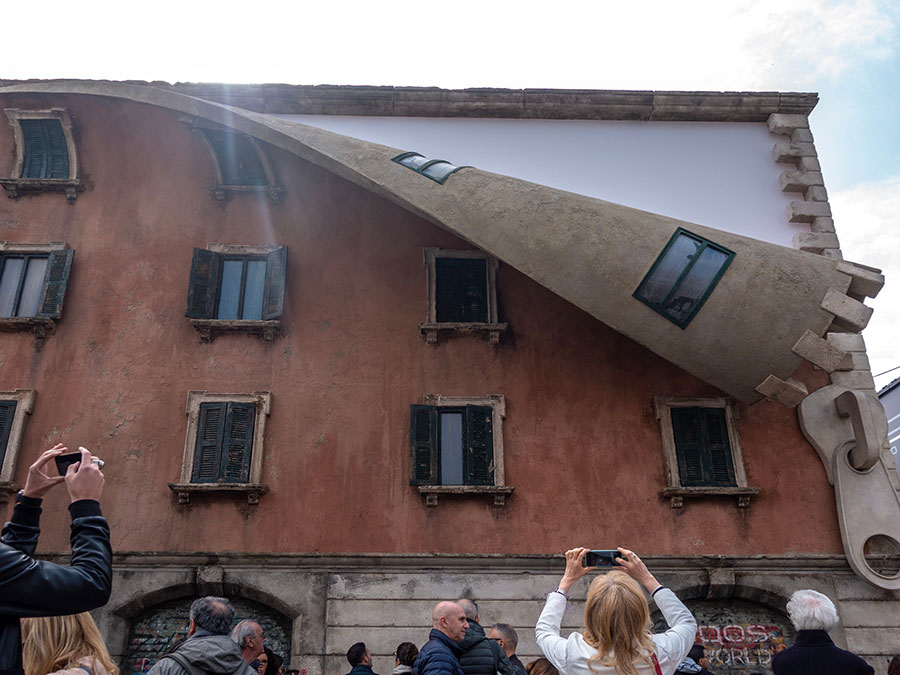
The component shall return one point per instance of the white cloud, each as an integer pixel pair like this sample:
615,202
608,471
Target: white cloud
867,220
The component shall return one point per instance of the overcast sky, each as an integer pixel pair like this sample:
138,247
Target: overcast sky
846,50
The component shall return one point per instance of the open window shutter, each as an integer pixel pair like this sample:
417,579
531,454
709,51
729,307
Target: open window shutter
276,265
239,422
35,164
479,445
55,280
423,456
688,445
203,285
57,151
208,449
7,413
715,434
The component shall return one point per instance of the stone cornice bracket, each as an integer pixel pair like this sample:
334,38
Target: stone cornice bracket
848,430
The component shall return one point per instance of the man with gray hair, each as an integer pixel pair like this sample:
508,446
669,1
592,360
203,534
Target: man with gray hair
208,649
813,653
506,636
480,656
250,638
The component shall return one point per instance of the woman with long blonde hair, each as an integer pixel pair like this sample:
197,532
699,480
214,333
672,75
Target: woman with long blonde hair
64,645
616,637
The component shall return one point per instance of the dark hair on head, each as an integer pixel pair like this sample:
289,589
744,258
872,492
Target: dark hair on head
894,667
274,663
212,614
697,652
356,653
508,633
541,666
406,653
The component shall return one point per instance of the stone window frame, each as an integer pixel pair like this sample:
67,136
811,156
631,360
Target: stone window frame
675,492
431,328
499,490
254,488
208,329
40,325
24,399
221,191
15,184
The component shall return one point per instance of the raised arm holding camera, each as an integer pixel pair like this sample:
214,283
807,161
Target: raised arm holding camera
30,587
617,636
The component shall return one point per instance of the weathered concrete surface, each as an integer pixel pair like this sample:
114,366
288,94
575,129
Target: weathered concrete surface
590,252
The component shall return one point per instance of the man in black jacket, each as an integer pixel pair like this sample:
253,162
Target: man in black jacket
480,656
29,587
360,659
508,639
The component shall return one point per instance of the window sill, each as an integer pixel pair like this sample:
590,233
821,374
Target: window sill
184,490
14,186
492,331
677,494
210,328
220,192
7,490
431,492
40,325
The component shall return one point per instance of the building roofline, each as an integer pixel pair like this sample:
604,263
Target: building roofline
558,104
890,386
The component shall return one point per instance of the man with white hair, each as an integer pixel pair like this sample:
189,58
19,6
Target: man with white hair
813,652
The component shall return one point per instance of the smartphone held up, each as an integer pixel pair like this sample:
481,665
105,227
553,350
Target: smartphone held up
601,558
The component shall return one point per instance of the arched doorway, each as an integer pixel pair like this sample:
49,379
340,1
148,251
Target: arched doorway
155,632
740,637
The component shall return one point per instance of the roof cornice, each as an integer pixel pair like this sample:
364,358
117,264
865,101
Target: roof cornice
558,104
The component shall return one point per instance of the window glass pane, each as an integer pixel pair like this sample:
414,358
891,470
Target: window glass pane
230,295
238,159
9,284
657,285
413,161
439,170
461,293
451,448
31,289
695,284
254,287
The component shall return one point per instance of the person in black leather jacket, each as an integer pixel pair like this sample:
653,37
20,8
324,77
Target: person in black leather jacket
30,587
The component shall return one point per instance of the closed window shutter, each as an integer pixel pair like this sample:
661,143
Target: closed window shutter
208,449
7,413
203,285
461,290
276,265
479,446
55,281
35,165
688,445
58,153
718,449
240,419
423,456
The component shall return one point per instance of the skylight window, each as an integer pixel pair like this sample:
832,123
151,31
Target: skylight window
436,169
683,276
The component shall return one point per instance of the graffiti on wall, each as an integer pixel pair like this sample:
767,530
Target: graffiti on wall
159,630
740,638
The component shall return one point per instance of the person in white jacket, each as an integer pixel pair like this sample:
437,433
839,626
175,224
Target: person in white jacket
617,636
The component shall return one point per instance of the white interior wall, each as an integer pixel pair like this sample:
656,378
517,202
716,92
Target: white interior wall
718,174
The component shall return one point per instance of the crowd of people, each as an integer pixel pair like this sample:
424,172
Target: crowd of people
45,627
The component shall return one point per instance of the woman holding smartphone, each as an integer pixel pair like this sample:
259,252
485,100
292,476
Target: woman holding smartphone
617,636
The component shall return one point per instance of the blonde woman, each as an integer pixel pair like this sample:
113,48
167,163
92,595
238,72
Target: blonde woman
64,645
617,636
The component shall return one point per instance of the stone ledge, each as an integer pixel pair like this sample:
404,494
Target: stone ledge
208,329
677,494
8,489
499,492
220,192
184,491
41,326
14,186
492,331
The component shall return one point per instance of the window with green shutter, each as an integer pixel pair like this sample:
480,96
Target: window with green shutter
7,414
451,445
33,282
46,154
46,157
224,443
